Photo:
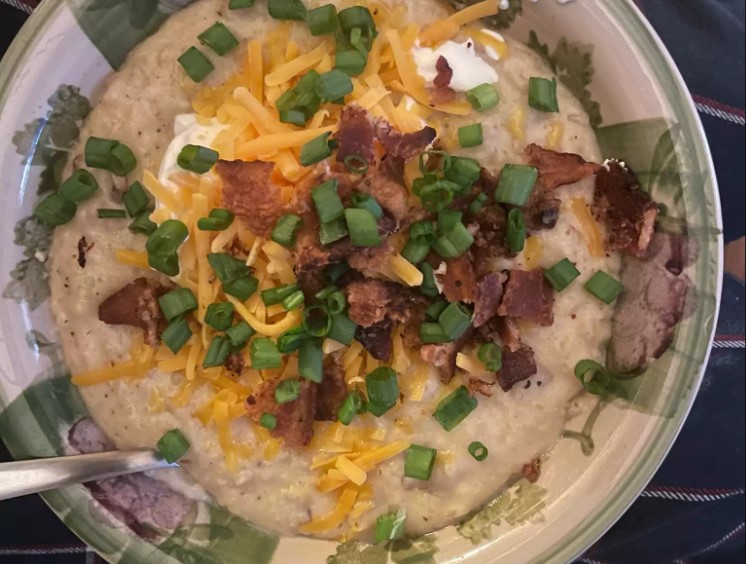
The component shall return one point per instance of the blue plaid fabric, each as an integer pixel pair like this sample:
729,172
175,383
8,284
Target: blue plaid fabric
693,510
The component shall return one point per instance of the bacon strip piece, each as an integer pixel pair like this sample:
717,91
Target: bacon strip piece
443,356
356,134
372,301
332,390
489,293
136,304
376,339
517,366
459,283
404,145
294,419
559,169
250,193
528,296
628,211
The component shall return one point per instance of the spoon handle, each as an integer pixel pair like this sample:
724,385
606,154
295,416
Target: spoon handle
33,476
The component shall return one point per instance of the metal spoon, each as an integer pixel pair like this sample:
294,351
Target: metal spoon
33,476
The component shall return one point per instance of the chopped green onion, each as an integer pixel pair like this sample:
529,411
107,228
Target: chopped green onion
226,267
333,231
367,202
218,220
311,361
429,159
109,155
218,38
219,316
356,17
240,334
516,230
328,205
605,287
55,210
419,462
104,213
478,451
542,94
287,391
437,195
447,220
390,526
362,227
241,288
240,4
483,97
79,187
433,333
491,356
274,296
598,380
470,135
336,303
333,85
455,320
463,172
428,286
172,446
455,243
196,158
350,62
163,245
343,329
422,232
476,204
383,390
176,334
268,421
415,252
516,184
316,150
177,302
291,340
293,116
293,301
264,354
284,231
142,225
358,165
336,271
195,64
454,408
316,321
434,311
322,20
136,200
287,9
562,274
323,294
351,406
217,353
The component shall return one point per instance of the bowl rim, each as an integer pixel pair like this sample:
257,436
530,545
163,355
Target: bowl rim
627,491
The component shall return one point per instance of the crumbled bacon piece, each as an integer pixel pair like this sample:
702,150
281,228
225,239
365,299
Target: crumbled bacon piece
445,73
294,419
250,193
542,209
477,386
517,366
137,305
559,169
376,339
628,211
443,356
459,284
390,193
404,145
488,294
532,470
528,296
371,301
332,390
438,96
235,362
356,134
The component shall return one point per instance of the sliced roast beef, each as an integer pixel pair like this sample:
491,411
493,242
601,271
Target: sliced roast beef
137,305
559,169
528,296
250,193
458,280
655,298
627,210
517,366
376,339
294,419
488,295
356,134
332,390
404,145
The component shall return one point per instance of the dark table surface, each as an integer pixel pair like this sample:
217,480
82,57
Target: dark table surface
693,510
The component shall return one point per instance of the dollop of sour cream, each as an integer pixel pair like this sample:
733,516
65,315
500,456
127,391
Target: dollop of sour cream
187,131
469,69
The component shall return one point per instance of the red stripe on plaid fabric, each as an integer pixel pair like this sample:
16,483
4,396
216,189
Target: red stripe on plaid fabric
694,495
729,342
720,110
726,337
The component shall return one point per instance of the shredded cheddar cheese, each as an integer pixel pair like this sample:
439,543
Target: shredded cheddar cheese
588,226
